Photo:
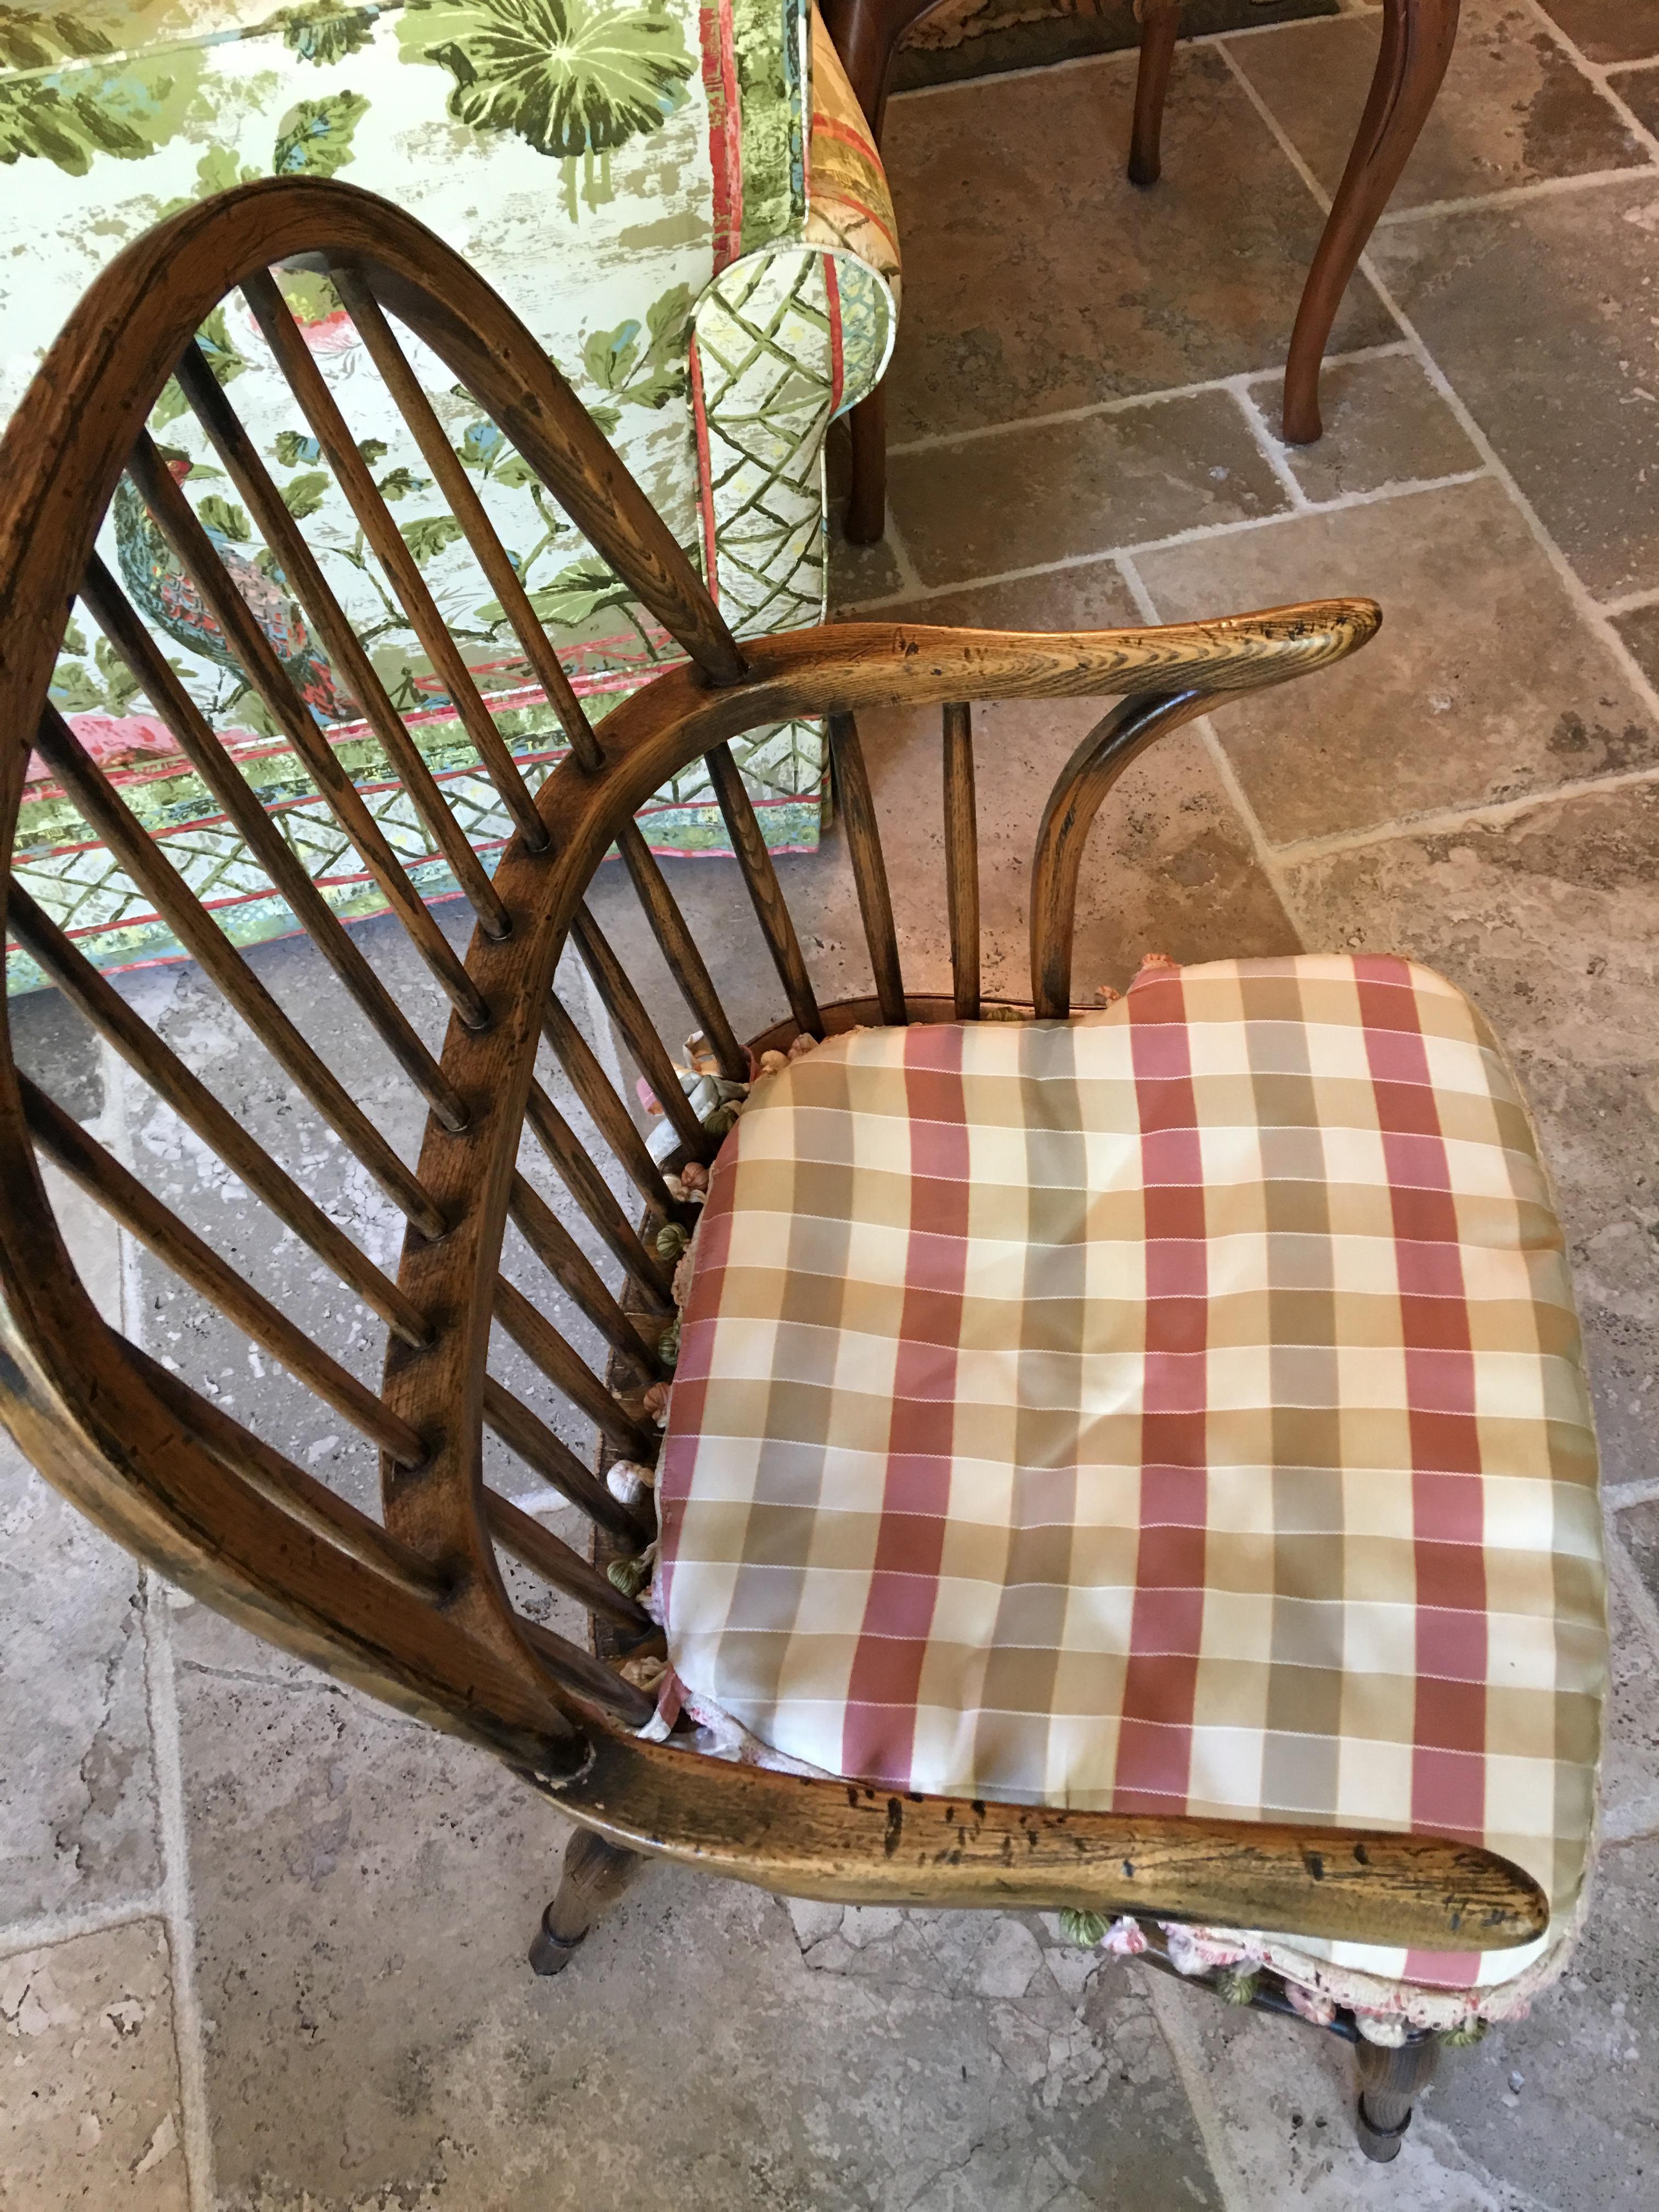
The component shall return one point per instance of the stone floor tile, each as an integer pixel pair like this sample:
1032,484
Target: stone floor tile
1580,2134
1169,870
89,2107
1640,90
1091,595
1542,315
1609,30
1640,631
1049,491
56,1048
1638,1526
77,1787
1384,424
1482,685
1514,109
1038,277
365,1893
1550,923
1629,1790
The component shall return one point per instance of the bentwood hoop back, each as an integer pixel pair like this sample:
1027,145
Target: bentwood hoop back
414,1606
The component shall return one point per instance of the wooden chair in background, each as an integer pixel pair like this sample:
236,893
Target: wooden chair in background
412,1606
1418,36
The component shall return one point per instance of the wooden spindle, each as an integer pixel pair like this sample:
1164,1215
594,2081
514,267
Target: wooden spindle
240,628
345,650
469,511
555,1561
146,1055
145,864
626,1008
305,380
685,962
1075,800
765,892
577,1170
587,1678
575,1273
143,1216
961,861
541,1343
858,812
266,1472
607,1111
524,1432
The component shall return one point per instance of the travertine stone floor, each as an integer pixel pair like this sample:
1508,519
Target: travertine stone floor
261,1943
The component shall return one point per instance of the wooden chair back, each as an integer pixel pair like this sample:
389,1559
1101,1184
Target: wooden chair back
414,1605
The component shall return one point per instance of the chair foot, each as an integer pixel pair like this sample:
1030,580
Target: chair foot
594,1876
1160,23
1390,2081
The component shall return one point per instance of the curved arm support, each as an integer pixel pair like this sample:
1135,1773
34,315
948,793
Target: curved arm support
801,1837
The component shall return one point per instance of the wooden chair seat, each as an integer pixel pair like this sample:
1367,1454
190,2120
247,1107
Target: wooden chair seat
1180,1410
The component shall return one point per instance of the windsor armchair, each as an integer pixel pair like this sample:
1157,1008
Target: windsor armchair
415,1606
1418,36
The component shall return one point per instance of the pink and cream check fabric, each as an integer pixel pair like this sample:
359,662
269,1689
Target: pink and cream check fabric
1180,1409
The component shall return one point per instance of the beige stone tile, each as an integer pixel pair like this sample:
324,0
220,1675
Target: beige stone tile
365,1895
1550,923
1053,490
1609,30
1038,277
1384,424
1638,1526
1629,1745
1482,685
1541,313
1092,595
1640,90
89,2104
1514,109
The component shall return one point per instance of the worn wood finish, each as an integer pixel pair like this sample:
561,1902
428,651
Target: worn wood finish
1074,803
858,811
626,1008
554,1560
843,1840
195,1104
685,962
594,1876
240,628
962,859
304,579
760,880
1390,2083
169,1480
85,782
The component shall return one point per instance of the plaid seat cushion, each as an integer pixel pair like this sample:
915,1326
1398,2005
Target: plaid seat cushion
1179,1409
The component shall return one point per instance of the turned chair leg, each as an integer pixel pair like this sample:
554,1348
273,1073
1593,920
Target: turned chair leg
594,1876
1390,2081
1160,22
1418,36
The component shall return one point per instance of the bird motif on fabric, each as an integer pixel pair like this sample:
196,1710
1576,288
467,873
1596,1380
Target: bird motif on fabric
164,590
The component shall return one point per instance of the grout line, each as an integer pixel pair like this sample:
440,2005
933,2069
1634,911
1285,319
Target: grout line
1121,402
1630,604
910,581
1543,188
1596,72
69,1927
1272,450
1202,533
1174,2021
187,2027
1623,1577
1577,592
1495,815
1643,1490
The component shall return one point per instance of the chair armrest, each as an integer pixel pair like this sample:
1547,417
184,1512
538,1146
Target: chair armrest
802,1837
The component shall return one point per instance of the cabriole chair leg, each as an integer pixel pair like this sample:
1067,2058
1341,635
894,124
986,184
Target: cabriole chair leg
595,1876
1390,2081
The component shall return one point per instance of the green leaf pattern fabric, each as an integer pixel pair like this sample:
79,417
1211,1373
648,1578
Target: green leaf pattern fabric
564,147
